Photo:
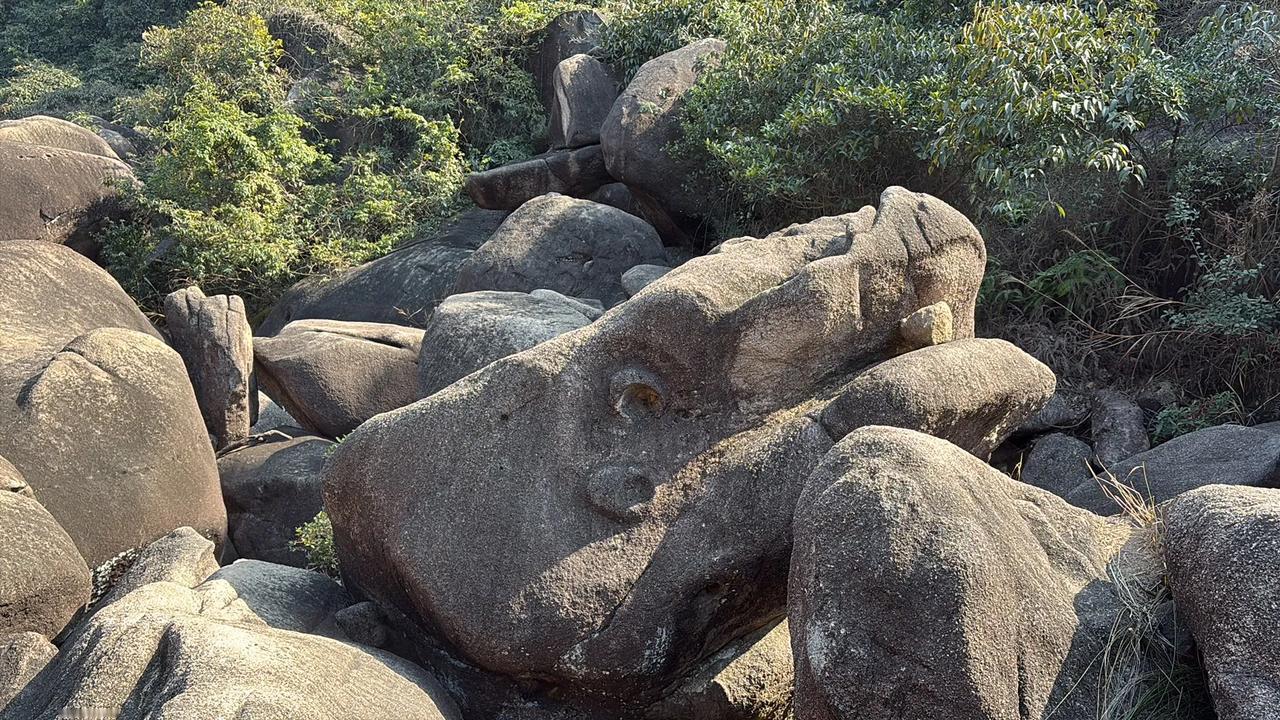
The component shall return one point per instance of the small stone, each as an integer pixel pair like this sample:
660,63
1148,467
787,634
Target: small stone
363,623
927,327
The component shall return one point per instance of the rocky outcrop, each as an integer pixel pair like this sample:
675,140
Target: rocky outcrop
1226,454
213,337
1221,545
225,648
973,393
57,195
645,121
574,247
271,489
575,173
401,288
45,580
1067,409
102,420
584,92
55,133
646,466
922,578
471,330
333,375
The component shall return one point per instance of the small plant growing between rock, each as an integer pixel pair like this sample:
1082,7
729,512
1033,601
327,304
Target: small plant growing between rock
1177,420
315,538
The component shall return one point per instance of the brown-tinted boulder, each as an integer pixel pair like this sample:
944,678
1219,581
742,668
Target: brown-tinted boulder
575,173
646,466
1221,545
43,578
59,196
213,337
575,247
924,579
645,121
334,375
225,648
471,330
401,288
55,133
101,421
585,91
271,489
972,392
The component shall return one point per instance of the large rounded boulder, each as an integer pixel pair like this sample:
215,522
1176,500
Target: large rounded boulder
55,133
638,133
574,247
99,414
56,194
43,578
922,578
590,518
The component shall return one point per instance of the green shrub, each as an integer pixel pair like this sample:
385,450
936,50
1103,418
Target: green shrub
1177,420
315,538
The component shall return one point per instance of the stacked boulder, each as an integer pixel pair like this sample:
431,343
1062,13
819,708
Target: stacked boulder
607,141
588,523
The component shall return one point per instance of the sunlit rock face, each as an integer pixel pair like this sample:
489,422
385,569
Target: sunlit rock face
592,517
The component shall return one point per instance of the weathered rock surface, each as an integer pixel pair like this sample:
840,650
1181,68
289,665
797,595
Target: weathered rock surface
572,33
401,288
584,91
56,195
1226,454
183,557
751,679
1067,409
646,466
1119,430
334,375
285,597
271,489
213,337
973,393
55,133
43,578
575,173
471,330
927,327
924,579
164,650
642,276
102,420
22,655
620,196
1221,546
11,480
645,121
574,247
1057,462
